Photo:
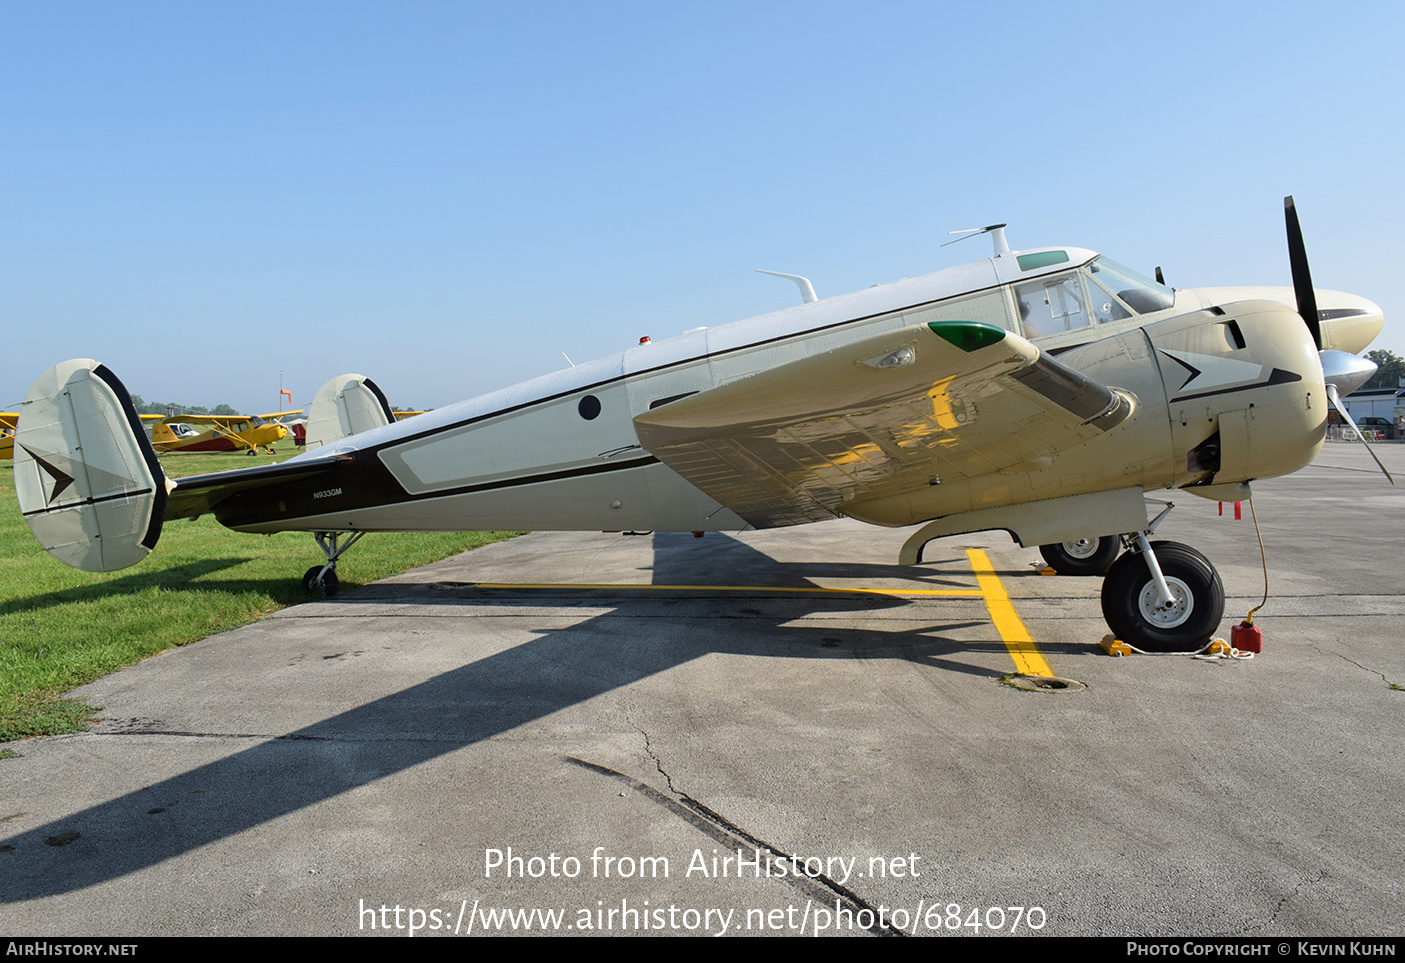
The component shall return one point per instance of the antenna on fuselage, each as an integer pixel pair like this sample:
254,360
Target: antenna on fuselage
548,337
997,237
807,290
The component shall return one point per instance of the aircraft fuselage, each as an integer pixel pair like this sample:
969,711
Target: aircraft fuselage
1221,395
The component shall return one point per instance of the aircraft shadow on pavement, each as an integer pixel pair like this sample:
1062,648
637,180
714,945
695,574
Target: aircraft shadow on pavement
477,701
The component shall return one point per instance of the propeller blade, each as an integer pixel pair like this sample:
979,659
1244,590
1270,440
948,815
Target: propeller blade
1302,277
1341,408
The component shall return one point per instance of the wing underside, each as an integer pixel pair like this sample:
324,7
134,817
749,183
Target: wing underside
878,417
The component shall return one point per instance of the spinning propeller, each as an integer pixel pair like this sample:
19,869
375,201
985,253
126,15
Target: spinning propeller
1339,369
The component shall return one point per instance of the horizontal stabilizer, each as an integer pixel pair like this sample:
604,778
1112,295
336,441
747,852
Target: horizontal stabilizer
87,478
197,495
347,405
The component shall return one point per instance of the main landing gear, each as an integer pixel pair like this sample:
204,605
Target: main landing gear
322,579
1082,556
1158,596
1163,597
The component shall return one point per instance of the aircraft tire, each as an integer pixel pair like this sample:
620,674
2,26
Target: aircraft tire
1131,608
328,585
1083,556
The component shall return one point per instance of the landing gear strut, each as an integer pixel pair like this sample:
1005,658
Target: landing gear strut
322,579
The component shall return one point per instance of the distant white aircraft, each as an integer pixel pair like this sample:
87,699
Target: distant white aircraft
1041,392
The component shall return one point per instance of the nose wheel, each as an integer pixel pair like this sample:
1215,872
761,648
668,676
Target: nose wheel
1180,618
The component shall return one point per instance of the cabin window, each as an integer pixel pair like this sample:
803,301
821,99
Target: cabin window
1028,262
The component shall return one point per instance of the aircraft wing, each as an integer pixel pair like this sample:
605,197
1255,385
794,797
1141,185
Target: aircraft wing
199,494
274,416
221,420
875,418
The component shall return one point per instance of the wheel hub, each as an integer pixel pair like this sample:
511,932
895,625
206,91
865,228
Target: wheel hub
1081,547
1166,616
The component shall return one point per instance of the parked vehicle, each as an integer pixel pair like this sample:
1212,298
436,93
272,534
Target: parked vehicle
1384,425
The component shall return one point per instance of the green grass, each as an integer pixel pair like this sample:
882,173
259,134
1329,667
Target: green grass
61,628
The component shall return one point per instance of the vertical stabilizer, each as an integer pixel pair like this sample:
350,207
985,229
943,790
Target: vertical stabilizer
347,405
86,476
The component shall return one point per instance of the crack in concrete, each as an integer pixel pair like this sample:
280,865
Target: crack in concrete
1273,917
658,763
1370,671
723,830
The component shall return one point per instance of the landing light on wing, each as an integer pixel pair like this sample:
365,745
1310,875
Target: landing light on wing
903,356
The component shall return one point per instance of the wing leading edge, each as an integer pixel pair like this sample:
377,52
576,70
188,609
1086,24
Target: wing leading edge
870,419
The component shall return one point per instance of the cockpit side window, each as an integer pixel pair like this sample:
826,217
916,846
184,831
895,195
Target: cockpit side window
1050,305
1103,303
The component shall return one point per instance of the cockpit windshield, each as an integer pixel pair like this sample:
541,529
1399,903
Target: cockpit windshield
1100,292
1140,293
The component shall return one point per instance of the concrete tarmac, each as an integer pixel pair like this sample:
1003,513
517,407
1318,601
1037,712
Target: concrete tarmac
598,733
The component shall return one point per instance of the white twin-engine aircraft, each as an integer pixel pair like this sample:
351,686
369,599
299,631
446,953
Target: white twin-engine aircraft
1040,392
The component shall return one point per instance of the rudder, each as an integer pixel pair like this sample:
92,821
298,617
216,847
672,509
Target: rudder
347,405
87,478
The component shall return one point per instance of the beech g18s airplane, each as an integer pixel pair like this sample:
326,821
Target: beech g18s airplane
1041,392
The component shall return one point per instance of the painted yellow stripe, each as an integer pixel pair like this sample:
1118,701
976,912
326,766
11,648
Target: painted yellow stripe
1007,621
631,587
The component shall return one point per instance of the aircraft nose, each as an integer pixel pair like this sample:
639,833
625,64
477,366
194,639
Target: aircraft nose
1349,322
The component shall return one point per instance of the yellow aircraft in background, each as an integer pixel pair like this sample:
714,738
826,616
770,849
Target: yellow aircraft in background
224,432
9,420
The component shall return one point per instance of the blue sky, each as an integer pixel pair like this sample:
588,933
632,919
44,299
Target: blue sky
446,196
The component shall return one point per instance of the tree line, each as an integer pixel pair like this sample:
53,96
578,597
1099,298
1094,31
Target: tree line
171,408
1388,375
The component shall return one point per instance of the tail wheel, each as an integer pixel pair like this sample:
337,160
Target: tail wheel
316,583
1082,556
1134,611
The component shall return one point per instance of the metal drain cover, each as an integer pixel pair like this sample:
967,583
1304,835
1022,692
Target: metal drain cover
1044,683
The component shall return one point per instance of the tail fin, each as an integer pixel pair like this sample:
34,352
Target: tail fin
86,476
347,405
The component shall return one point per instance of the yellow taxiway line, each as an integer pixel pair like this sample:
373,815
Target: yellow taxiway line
1028,660
1007,621
783,590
